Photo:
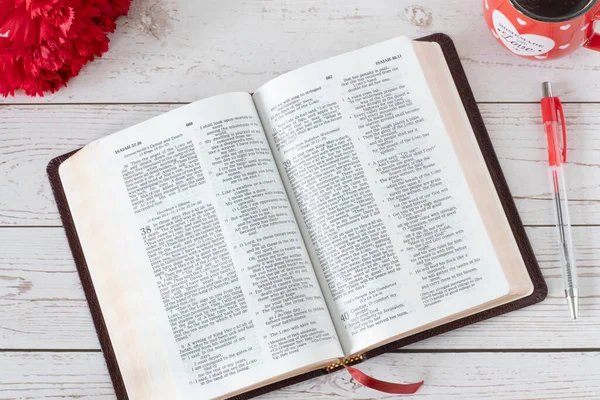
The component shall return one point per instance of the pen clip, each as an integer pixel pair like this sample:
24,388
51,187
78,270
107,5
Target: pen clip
559,109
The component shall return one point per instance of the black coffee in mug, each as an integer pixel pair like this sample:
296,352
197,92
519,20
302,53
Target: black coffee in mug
553,8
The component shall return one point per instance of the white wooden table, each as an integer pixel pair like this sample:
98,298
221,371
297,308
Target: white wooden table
176,51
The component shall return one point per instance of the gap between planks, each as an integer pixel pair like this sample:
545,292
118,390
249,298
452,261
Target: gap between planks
398,351
60,226
182,103
50,350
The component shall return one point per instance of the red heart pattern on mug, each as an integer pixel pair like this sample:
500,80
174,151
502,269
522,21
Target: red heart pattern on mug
528,44
538,38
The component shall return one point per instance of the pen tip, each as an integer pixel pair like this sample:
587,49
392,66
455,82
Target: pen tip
546,89
573,307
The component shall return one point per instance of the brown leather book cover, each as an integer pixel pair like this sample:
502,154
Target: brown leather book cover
485,144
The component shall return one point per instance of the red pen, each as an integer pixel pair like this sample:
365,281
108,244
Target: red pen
552,111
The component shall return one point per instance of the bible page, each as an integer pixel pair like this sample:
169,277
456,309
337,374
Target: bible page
201,272
392,229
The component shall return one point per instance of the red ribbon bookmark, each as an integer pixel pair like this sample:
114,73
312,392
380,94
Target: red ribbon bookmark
383,386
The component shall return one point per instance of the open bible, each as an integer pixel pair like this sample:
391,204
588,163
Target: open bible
245,242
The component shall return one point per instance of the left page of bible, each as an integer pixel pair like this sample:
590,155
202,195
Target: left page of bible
203,278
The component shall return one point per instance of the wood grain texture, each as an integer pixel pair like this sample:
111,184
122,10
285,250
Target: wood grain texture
179,50
81,376
34,134
451,376
42,305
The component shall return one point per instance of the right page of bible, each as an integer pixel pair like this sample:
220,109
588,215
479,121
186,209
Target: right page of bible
390,223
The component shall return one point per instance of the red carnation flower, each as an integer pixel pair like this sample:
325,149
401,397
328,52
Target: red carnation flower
44,43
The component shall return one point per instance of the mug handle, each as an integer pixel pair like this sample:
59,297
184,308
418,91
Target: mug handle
594,40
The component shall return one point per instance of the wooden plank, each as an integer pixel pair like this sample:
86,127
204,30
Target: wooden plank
521,147
32,135
41,300
42,305
81,376
464,376
460,376
180,50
